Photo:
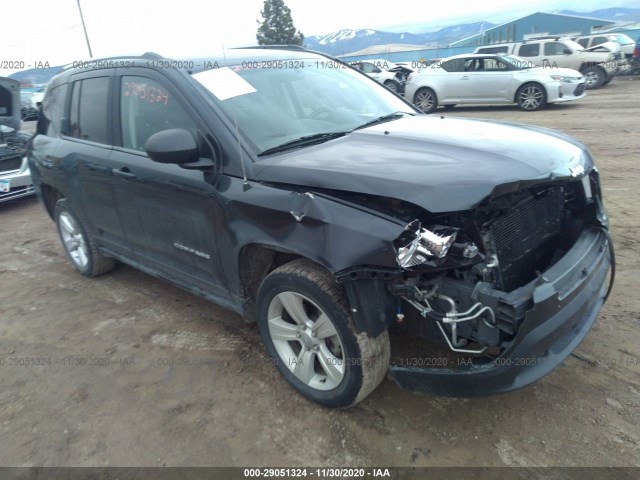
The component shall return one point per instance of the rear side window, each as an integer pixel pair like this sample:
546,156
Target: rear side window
147,107
49,121
584,42
455,65
88,115
599,41
529,50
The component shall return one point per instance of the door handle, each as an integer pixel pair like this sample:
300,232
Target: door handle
124,172
464,77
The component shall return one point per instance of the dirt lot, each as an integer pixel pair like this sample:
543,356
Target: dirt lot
142,373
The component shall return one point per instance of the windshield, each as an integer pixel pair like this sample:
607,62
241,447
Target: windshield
575,46
623,39
298,99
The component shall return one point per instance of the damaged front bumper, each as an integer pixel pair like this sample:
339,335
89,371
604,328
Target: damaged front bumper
562,305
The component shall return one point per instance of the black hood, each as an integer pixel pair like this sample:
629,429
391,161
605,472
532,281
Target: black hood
439,163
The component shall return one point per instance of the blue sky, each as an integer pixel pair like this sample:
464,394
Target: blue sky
50,30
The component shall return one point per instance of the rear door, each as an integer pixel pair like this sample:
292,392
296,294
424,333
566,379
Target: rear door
531,51
448,80
85,156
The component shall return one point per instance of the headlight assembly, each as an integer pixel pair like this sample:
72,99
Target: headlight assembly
417,245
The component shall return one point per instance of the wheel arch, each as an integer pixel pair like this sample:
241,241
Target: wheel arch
526,84
50,196
255,262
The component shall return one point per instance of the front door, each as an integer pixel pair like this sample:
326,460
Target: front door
169,213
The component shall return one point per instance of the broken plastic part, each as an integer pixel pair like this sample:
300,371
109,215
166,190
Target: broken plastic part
424,245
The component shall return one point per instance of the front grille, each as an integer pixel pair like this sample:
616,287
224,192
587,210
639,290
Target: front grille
524,237
10,164
579,90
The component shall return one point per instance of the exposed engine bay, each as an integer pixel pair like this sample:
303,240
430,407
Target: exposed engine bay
461,271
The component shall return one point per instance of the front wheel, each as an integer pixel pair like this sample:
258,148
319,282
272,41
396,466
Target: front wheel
531,96
426,100
307,329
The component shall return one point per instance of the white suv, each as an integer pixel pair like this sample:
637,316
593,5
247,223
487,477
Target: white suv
552,52
626,42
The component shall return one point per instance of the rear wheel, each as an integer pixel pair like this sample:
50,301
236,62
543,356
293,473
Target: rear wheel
81,248
392,85
531,96
307,329
426,100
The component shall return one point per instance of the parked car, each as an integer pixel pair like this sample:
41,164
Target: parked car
635,61
391,75
15,178
36,98
321,205
28,111
598,67
626,42
10,103
492,78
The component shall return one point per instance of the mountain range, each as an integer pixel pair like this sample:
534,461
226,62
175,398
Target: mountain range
349,41
613,14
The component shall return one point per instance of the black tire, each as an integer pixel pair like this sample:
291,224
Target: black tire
80,247
392,85
426,100
531,97
359,361
595,77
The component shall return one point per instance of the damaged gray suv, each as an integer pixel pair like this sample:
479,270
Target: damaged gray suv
292,189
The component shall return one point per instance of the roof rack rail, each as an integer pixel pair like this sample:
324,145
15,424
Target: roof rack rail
146,56
545,37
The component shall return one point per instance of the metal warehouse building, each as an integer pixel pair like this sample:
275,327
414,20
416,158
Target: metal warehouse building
534,25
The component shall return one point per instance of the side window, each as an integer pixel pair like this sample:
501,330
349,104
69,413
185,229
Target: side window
146,107
584,42
599,41
49,122
529,50
455,65
367,68
494,65
554,48
88,116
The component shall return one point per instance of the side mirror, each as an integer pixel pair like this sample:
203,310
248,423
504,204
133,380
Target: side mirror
567,51
172,146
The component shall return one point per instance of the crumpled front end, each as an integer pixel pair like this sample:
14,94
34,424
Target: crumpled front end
509,288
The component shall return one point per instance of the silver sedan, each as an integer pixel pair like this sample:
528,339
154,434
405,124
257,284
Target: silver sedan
492,79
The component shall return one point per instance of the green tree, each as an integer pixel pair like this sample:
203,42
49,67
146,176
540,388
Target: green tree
277,27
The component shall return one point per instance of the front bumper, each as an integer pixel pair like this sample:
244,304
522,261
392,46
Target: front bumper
567,91
565,302
20,183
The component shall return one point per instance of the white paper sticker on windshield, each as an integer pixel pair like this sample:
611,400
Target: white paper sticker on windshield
224,83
